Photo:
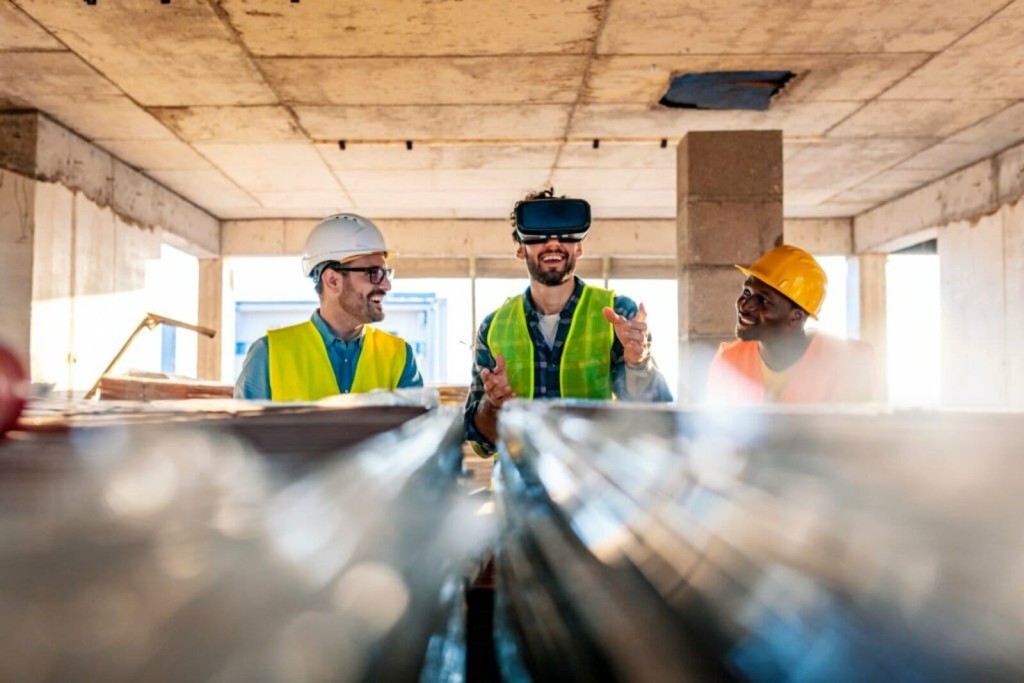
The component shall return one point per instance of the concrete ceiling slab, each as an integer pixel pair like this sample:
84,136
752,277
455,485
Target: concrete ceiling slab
161,55
831,210
915,118
18,31
988,62
426,80
444,27
619,155
258,124
840,164
478,122
945,157
633,121
156,155
46,77
581,180
463,180
644,79
317,202
272,167
208,189
398,203
766,26
424,156
501,98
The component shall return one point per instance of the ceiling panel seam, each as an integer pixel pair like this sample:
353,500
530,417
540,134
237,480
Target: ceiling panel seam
584,83
226,20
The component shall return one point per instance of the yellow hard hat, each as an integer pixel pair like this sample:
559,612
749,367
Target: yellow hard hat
793,273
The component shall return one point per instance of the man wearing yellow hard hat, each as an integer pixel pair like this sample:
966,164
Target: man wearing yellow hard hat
774,359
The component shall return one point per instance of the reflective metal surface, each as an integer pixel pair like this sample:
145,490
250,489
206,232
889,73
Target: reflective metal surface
643,543
181,553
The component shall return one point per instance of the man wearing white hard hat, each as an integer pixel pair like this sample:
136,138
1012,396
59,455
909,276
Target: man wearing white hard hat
336,351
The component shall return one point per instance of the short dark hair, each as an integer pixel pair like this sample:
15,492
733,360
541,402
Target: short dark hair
530,196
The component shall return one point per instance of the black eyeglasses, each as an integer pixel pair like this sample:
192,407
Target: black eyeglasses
375,273
564,239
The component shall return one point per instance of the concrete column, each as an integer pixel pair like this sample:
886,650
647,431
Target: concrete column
867,310
17,214
211,294
729,187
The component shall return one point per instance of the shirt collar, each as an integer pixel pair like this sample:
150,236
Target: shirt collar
328,334
569,305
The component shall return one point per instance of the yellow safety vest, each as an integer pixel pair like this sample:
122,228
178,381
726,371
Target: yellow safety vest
585,370
300,369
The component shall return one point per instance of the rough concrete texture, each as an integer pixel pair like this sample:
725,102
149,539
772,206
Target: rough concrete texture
143,77
231,124
721,233
19,132
19,32
732,166
140,200
1013,253
984,63
17,200
974,343
159,55
916,118
966,195
818,77
412,29
707,300
694,27
823,236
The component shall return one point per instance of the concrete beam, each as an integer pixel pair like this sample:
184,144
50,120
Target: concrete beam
967,195
620,240
35,146
822,236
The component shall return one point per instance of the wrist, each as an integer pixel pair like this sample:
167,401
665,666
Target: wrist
643,366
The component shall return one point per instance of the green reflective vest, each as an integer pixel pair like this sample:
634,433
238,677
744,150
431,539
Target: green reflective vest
300,369
585,370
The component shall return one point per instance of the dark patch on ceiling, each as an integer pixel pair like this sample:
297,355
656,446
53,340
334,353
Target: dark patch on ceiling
752,90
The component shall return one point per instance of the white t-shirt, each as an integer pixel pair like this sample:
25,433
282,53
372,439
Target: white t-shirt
549,327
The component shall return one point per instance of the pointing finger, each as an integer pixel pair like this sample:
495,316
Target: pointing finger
641,315
612,317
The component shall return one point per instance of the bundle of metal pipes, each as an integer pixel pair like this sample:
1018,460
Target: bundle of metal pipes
249,549
653,544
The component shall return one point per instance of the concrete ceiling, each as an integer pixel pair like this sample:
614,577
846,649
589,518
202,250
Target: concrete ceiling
239,105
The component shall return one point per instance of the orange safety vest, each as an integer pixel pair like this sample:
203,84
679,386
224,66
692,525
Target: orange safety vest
831,370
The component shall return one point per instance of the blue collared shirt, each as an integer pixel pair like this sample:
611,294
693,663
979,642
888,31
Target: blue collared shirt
254,380
546,361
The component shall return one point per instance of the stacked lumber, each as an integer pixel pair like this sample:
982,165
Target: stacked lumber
156,388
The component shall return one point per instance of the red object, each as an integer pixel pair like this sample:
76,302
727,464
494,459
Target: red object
13,388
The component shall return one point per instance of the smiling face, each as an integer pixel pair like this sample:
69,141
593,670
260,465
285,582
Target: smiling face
763,314
550,263
356,296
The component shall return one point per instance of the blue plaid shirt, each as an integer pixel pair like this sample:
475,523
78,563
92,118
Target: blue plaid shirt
547,360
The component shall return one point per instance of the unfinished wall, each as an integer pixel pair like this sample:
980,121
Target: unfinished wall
78,230
977,215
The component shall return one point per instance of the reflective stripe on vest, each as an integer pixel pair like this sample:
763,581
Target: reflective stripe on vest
585,370
300,369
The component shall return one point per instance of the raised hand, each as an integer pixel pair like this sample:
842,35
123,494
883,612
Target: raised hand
632,334
496,384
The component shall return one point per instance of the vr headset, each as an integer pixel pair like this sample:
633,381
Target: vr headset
538,220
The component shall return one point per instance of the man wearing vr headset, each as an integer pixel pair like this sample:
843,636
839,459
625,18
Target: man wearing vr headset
561,338
335,351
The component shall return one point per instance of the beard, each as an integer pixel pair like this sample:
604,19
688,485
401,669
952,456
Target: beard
359,305
551,277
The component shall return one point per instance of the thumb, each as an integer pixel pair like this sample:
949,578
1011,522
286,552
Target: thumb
641,314
612,317
499,363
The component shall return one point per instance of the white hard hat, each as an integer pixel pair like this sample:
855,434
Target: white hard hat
341,237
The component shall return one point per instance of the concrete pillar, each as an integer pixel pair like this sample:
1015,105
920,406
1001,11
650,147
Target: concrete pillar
17,221
211,294
729,188
867,310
